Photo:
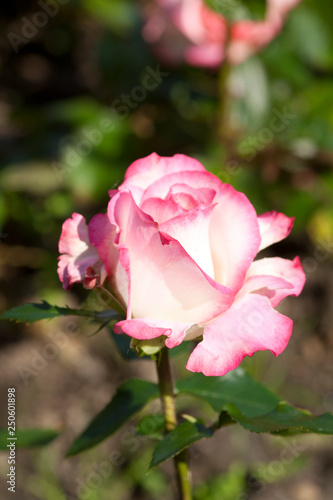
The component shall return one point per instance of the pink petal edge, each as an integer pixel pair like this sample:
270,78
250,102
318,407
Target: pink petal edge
274,227
250,325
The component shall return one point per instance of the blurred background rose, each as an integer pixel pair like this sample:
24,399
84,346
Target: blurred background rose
82,96
191,31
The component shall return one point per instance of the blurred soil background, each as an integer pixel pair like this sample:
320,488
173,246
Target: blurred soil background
59,83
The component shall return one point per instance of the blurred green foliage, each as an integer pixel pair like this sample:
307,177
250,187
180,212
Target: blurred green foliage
65,141
62,86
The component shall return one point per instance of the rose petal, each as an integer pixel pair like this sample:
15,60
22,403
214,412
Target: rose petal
146,329
189,20
102,235
74,237
161,210
275,278
78,253
192,231
205,28
179,200
165,283
142,173
250,325
95,276
281,7
274,227
249,37
197,180
234,237
206,56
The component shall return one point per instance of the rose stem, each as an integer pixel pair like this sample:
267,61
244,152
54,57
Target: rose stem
224,130
168,402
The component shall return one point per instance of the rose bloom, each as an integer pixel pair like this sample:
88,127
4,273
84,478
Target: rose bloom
177,249
188,30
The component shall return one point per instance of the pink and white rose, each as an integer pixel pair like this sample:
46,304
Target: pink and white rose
178,247
188,30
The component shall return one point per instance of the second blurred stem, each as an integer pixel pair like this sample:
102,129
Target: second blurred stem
224,109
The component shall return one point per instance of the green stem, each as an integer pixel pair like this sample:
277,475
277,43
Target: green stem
223,99
168,402
225,131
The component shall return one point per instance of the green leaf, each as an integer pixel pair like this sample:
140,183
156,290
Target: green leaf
254,104
177,440
310,37
152,426
237,387
224,420
233,10
119,15
227,9
100,328
36,312
123,342
27,438
283,418
130,398
228,486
